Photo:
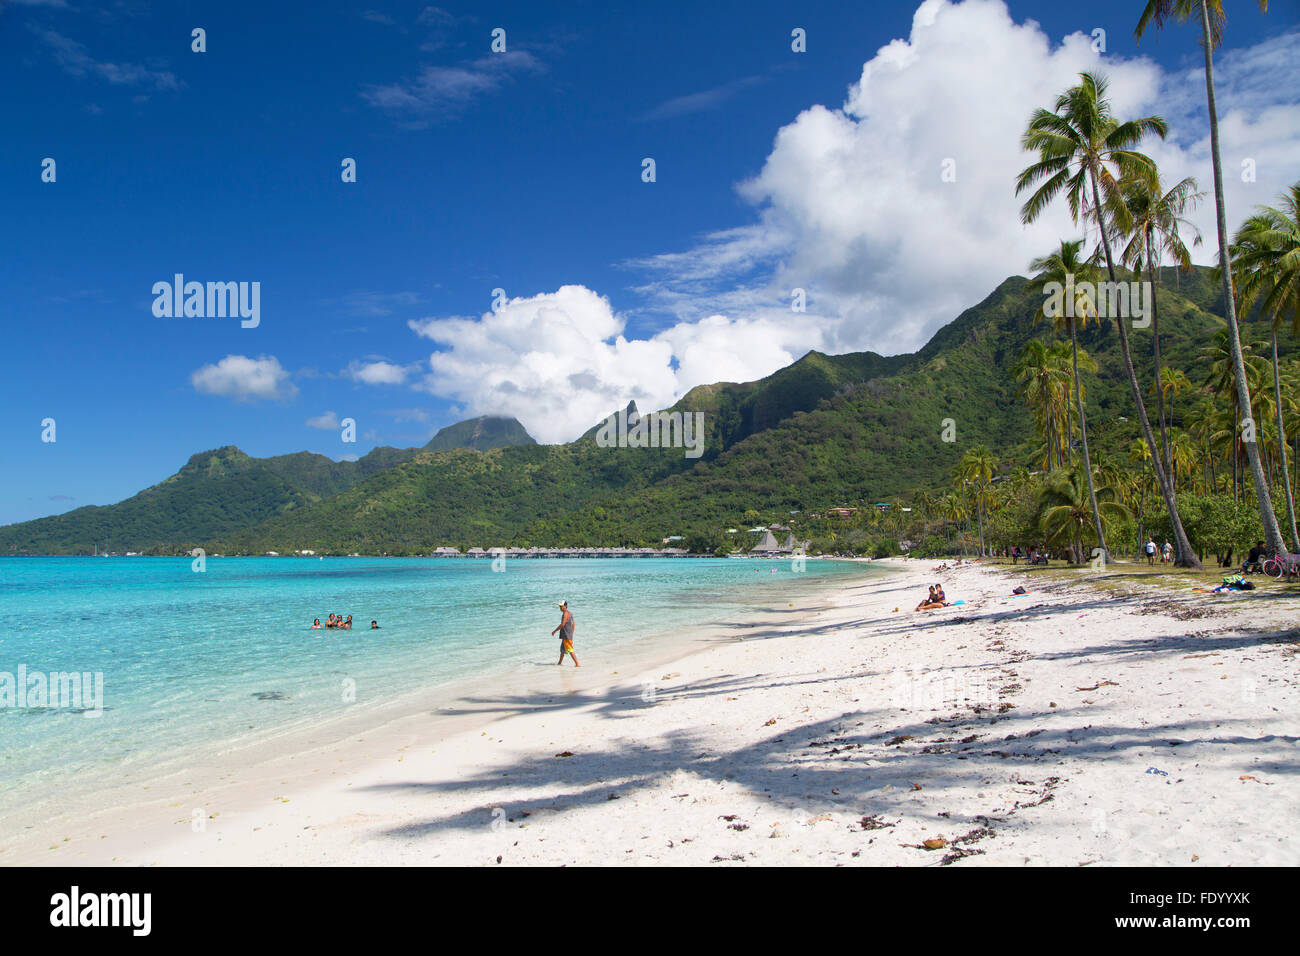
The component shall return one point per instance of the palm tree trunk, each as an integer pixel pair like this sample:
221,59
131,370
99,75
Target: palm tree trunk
1069,424
1209,461
1185,557
1293,481
1236,449
1155,345
1142,509
1272,533
1087,459
1281,446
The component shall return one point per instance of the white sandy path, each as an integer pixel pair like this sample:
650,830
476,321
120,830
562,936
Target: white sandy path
966,722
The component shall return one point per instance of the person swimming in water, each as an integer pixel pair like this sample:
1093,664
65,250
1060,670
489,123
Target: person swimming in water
315,625
347,625
374,625
330,622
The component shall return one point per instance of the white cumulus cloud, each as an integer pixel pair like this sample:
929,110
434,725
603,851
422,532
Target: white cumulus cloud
329,421
376,372
559,361
852,204
245,379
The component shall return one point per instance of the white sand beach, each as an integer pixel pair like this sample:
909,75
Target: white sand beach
1074,725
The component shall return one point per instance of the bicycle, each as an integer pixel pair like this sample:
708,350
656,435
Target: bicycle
1288,564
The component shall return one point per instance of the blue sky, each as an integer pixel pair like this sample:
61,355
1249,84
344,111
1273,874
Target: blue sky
519,170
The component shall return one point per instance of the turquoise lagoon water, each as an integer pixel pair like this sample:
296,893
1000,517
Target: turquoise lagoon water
204,662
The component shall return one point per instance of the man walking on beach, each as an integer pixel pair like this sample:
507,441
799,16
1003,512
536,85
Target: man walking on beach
566,634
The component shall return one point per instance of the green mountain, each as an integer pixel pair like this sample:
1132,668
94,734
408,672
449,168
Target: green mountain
222,491
481,434
824,431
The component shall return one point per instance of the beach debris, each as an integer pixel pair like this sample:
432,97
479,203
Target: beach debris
269,695
898,740
736,857
729,817
874,822
770,721
958,852
738,826
671,676
565,753
917,786
1157,770
1246,776
935,843
1098,685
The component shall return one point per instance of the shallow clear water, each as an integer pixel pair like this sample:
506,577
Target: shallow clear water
200,662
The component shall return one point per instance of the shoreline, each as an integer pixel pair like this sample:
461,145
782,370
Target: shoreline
246,772
1069,726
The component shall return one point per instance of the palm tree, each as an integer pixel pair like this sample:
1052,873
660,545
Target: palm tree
1201,421
1173,382
1064,508
1068,270
1210,13
1156,218
1140,453
977,466
1043,371
1081,147
1221,377
953,510
1182,451
1266,262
